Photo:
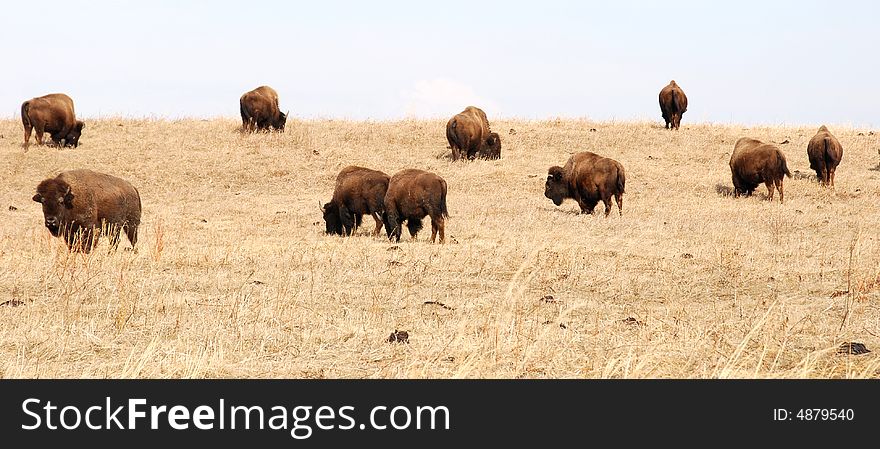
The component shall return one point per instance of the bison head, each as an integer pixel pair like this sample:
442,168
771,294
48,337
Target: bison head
493,146
556,189
332,221
72,138
280,121
56,198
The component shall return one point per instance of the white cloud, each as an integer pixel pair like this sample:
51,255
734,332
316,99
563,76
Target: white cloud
441,97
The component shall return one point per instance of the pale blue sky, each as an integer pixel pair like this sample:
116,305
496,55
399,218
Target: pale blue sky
798,62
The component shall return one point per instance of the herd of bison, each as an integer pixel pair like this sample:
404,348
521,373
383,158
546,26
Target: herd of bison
82,205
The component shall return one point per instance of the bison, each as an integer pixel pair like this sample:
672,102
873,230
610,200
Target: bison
358,191
259,110
54,114
673,104
825,154
587,178
80,205
754,162
468,132
412,195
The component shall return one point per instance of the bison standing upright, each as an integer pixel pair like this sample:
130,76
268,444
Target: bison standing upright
358,191
80,205
412,195
754,162
468,132
54,114
260,111
587,178
673,104
825,154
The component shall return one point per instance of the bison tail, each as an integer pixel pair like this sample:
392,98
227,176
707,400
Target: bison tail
24,114
783,165
443,210
829,158
621,179
453,136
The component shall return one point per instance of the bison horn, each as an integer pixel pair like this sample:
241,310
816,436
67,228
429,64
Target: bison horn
321,206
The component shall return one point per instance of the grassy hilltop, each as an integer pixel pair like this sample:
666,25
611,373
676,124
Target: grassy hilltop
233,276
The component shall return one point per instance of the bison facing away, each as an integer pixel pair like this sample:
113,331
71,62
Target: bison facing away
412,195
754,162
468,132
260,111
673,104
825,154
80,205
54,114
587,178
358,191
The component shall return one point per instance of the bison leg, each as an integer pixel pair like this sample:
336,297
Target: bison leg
456,152
438,225
82,240
131,231
587,206
770,191
619,197
831,176
39,135
27,134
114,232
349,220
607,200
378,224
392,225
414,225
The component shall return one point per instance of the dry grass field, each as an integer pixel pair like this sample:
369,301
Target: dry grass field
233,276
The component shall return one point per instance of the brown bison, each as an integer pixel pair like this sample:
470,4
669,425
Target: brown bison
673,104
468,132
587,178
754,162
358,191
412,195
54,114
259,110
825,154
80,205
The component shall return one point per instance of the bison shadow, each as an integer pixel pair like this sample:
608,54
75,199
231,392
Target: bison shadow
724,190
797,174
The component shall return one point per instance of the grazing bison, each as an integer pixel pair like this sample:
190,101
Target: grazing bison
468,132
825,154
358,191
754,162
80,205
259,110
54,114
673,104
587,178
412,195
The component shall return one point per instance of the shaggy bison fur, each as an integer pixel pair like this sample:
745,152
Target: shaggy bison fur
80,205
587,178
412,195
359,191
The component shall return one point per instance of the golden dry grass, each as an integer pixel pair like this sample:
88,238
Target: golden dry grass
233,276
